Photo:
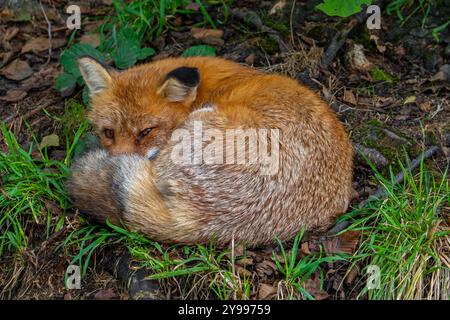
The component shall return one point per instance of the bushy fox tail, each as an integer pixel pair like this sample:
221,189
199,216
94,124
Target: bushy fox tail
120,189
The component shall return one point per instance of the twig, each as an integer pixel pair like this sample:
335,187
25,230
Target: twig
381,192
339,39
336,43
252,18
49,32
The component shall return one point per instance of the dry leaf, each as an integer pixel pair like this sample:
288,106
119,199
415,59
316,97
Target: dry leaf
52,140
381,48
243,272
277,7
10,33
357,58
351,276
343,243
313,288
7,57
17,70
40,44
266,291
107,294
209,36
349,97
14,95
410,99
425,106
93,39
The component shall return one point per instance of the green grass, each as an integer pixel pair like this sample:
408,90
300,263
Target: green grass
200,271
29,185
297,270
407,237
406,9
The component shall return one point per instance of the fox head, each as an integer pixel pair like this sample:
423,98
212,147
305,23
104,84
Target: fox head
136,110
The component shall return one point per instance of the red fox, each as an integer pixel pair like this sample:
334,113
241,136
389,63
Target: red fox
300,176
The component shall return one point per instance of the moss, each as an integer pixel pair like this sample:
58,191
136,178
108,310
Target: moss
269,45
379,74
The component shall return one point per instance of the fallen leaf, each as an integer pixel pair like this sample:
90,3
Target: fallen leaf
7,57
305,248
93,39
349,97
351,276
17,70
40,44
266,291
192,6
243,272
266,268
277,7
245,262
250,60
313,288
343,243
107,294
199,33
357,57
208,36
381,48
10,33
52,140
400,51
14,95
410,99
425,106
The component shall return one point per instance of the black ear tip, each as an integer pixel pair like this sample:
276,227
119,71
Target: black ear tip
188,76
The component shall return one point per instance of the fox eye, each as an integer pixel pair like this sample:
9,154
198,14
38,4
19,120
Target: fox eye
109,133
145,132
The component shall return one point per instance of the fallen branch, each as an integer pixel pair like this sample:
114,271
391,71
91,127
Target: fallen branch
341,36
253,19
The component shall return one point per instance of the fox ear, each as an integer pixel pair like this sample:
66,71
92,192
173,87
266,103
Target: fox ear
180,85
94,74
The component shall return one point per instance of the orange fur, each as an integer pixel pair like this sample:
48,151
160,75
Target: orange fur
191,204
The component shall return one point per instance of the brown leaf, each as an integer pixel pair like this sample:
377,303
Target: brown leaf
40,44
349,97
200,33
343,243
266,291
313,288
7,57
304,248
266,268
425,106
351,276
107,294
93,39
357,57
209,36
17,70
14,95
244,262
10,33
243,272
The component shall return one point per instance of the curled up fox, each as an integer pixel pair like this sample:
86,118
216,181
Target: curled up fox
203,148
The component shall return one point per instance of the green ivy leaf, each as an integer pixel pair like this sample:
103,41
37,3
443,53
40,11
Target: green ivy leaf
68,58
125,56
200,50
146,52
65,81
342,8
